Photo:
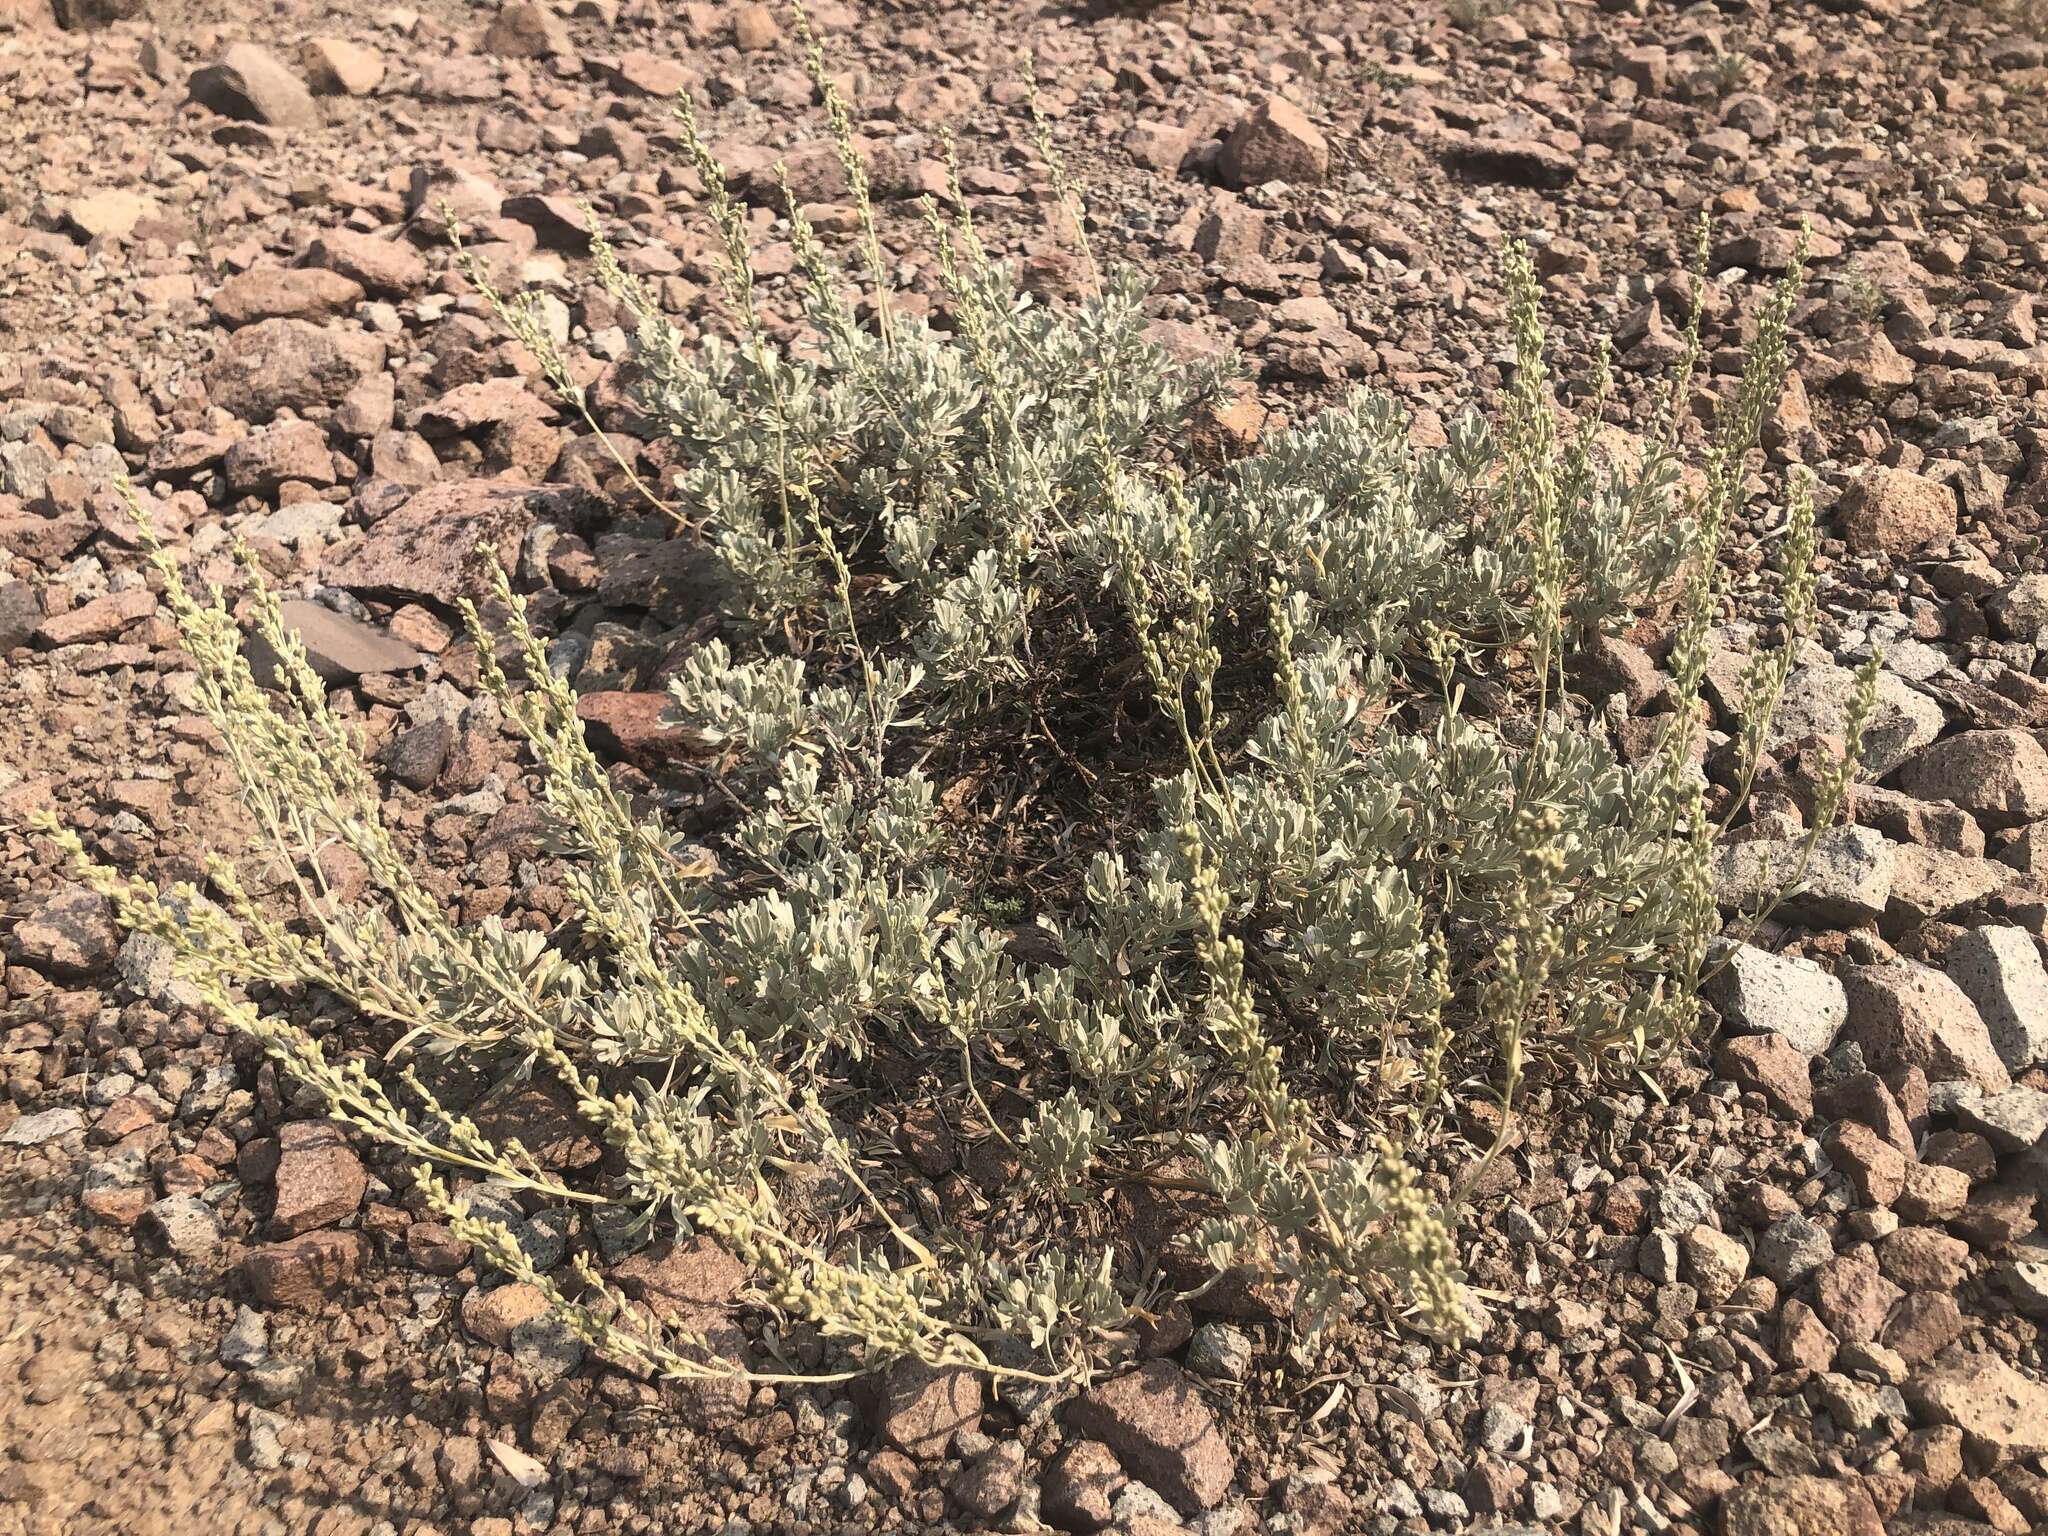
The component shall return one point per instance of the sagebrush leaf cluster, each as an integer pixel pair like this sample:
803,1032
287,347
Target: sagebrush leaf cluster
1317,895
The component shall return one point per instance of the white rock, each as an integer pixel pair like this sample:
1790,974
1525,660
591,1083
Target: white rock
2001,970
1847,881
1760,992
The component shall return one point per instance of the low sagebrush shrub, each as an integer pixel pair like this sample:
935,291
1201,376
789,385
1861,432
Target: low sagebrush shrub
1282,896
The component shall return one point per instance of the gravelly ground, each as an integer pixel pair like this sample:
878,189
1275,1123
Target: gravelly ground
1801,1295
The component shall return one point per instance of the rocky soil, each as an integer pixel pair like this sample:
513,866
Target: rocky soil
1793,1286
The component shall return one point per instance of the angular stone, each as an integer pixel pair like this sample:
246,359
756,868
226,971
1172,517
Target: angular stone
336,67
1928,823
109,212
545,1120
1276,143
1922,1259
1715,1263
1791,1248
2000,777
1520,162
634,726
2013,1121
920,1408
1923,1325
1771,1065
1867,1099
1078,1488
1853,1299
181,1227
339,648
1848,878
319,1180
639,73
492,1315
1156,1423
1895,512
2003,1411
253,84
1874,1166
1815,702
21,614
284,293
286,450
391,268
1804,1343
2000,970
676,1278
528,30
104,618
1907,1015
275,364
421,552
72,934
1800,1505
301,1271
1794,999
43,1126
1931,882
1933,1192
992,1482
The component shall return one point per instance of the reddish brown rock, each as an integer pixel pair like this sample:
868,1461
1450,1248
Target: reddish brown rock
1773,1066
1155,1421
435,1248
252,84
1804,1342
302,1271
491,1315
71,934
284,293
103,618
1874,1166
919,1408
1276,143
1521,162
1077,1489
1923,1325
677,1278
335,66
423,551
265,460
544,1119
1895,512
633,726
527,29
1923,1259
1906,1015
640,73
338,648
1853,1299
319,1179
388,267
283,363
1996,1406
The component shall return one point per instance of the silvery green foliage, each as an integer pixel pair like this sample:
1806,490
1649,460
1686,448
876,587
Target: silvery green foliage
1395,542
1347,896
1334,894
950,463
